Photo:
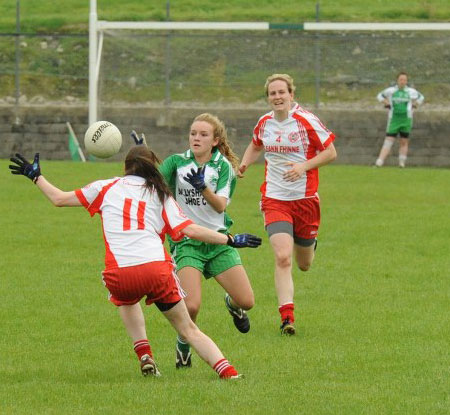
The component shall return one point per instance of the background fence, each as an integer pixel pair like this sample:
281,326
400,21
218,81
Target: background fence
225,67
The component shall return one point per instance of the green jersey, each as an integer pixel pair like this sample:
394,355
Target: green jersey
219,177
400,100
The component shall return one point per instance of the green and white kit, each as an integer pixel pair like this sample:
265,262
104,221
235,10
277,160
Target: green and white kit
401,107
210,259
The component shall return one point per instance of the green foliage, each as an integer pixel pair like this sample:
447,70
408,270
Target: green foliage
372,313
72,15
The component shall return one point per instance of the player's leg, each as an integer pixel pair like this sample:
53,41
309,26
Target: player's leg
282,245
304,251
385,148
126,289
278,221
306,214
178,316
403,149
191,281
134,321
239,295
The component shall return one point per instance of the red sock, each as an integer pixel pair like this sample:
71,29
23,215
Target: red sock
224,369
287,312
142,347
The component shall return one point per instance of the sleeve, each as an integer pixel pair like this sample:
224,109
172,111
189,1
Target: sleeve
91,195
258,131
225,183
417,96
174,218
385,93
319,136
322,136
168,169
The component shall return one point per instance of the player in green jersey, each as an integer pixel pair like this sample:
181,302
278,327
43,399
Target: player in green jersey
202,180
401,100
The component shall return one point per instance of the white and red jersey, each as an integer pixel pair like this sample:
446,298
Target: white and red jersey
297,139
134,220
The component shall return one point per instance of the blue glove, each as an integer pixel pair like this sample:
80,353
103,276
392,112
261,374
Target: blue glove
32,171
244,240
138,141
196,179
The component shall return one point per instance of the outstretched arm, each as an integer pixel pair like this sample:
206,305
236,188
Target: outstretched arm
243,240
57,196
33,171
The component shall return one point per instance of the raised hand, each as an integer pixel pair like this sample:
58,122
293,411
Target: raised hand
244,240
24,167
196,179
138,141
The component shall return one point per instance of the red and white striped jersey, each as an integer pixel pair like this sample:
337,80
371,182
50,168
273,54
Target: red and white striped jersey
134,220
298,138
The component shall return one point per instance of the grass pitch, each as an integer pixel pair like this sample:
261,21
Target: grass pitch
372,313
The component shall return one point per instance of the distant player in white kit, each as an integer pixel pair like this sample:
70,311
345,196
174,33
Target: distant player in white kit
295,144
137,211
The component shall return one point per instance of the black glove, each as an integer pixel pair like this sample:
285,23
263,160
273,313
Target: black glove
196,179
138,141
387,106
32,171
244,240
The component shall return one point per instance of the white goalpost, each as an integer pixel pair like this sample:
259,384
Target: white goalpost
98,27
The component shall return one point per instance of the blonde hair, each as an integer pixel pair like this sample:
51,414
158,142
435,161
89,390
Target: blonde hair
220,132
280,77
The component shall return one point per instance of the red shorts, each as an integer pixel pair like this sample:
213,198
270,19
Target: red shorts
304,214
156,280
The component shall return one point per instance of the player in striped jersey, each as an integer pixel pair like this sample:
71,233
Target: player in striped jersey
137,210
295,144
400,100
203,181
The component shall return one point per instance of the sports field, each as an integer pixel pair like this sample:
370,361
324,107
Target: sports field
373,312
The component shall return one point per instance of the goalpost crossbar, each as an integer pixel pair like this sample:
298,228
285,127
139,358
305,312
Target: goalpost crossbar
97,27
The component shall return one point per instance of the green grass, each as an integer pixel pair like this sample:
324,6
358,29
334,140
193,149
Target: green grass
373,311
72,15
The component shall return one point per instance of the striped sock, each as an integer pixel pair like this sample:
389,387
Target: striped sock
142,347
224,369
287,312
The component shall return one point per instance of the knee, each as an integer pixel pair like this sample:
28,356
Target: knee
248,302
193,308
283,260
304,265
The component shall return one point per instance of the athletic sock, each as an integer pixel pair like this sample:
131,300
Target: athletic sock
183,346
224,369
287,312
142,347
402,160
228,301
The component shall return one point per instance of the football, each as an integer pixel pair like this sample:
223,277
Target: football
103,139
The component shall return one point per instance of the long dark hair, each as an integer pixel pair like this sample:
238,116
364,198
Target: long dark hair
143,162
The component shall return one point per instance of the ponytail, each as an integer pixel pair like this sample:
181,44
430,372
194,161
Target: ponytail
143,162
